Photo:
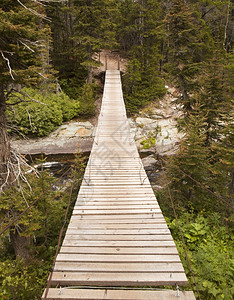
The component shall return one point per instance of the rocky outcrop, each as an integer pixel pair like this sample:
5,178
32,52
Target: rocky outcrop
69,138
158,125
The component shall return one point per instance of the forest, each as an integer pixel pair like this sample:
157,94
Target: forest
47,50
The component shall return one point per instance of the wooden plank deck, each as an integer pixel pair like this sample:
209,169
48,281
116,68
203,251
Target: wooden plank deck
117,236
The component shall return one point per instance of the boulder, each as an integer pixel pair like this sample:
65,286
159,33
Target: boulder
149,163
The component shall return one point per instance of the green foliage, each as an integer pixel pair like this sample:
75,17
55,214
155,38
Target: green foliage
18,281
150,141
80,29
140,34
189,45
139,88
47,212
19,44
42,116
210,249
87,101
191,160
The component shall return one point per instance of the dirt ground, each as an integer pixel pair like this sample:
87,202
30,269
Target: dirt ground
110,60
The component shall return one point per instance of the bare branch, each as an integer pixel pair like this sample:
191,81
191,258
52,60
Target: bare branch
8,64
226,26
49,1
38,2
18,166
23,100
34,11
32,99
42,75
30,49
29,118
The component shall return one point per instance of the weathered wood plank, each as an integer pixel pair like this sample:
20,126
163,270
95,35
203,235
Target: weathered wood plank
145,267
119,250
118,279
92,206
117,203
115,226
95,294
109,243
121,258
156,231
152,216
115,212
118,237
124,222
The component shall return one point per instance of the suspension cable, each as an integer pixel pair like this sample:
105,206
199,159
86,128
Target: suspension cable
60,238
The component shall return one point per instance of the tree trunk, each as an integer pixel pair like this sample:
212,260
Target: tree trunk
90,75
20,244
4,142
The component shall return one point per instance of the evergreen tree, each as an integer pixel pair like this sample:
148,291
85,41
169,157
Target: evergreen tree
191,165
22,62
142,82
189,45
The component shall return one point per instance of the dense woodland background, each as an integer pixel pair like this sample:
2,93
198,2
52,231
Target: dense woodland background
46,62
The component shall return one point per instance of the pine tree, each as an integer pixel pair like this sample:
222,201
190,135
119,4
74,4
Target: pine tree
94,29
22,62
191,165
80,29
189,45
142,83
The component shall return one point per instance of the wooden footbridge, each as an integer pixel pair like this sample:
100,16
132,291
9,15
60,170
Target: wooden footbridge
117,244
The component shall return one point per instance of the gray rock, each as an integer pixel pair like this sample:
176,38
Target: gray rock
147,152
69,138
74,129
144,121
149,163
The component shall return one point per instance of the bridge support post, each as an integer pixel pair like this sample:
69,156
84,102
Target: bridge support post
105,62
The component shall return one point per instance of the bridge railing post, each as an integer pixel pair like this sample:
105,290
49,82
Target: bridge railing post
105,62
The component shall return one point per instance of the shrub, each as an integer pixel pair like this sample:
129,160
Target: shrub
210,248
43,115
87,101
18,281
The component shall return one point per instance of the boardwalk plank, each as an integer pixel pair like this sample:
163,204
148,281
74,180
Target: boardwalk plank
119,237
72,257
111,243
117,279
145,267
119,231
118,250
95,294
